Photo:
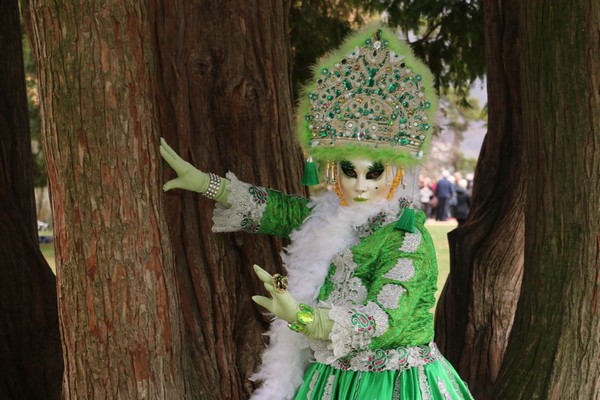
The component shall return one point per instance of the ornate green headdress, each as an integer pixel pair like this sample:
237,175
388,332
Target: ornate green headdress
371,98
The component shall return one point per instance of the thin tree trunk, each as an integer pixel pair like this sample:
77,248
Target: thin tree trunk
118,303
225,91
477,305
30,355
554,350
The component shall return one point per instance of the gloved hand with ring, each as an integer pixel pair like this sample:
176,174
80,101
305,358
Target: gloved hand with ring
313,322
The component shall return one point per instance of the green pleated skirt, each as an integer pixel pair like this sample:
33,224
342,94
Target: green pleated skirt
437,380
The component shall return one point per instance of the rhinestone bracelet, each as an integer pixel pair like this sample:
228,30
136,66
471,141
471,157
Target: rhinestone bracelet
305,316
213,186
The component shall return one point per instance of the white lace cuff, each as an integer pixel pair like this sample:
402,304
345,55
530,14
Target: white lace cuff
353,328
248,203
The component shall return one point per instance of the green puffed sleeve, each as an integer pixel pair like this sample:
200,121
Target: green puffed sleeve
404,287
396,275
256,209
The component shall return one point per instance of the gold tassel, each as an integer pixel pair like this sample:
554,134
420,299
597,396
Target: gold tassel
388,175
397,179
340,195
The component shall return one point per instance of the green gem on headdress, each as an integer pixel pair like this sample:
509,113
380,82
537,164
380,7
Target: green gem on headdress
362,95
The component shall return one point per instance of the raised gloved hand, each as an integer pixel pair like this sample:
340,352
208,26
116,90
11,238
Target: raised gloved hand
314,323
191,178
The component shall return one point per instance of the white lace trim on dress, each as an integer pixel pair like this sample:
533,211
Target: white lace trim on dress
248,204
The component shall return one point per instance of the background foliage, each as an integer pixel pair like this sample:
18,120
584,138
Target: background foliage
446,34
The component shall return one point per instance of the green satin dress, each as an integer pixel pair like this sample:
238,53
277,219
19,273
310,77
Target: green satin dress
381,293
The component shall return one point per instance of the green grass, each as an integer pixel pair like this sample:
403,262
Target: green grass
48,249
438,233
48,252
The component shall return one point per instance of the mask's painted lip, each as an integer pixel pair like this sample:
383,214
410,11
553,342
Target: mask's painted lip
359,199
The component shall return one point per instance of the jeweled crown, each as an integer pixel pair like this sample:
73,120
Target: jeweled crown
372,98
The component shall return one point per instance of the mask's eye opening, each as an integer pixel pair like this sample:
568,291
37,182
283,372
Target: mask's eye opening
348,169
375,174
349,172
375,170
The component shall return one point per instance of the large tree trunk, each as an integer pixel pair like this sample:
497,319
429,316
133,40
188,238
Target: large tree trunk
118,303
554,349
30,355
226,101
477,305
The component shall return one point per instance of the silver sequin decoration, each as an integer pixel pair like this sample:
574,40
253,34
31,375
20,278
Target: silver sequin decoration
448,369
328,392
390,294
403,271
411,242
397,386
423,384
380,317
357,387
312,384
442,387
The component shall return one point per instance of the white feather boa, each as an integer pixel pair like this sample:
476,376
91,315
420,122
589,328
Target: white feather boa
329,230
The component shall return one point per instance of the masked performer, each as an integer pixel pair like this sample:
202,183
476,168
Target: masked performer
354,313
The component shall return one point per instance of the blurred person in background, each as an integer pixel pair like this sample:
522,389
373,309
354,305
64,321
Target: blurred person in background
425,197
463,202
443,192
470,176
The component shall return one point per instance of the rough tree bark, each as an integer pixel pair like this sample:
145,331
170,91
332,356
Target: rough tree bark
477,305
223,98
30,353
554,349
118,304
226,105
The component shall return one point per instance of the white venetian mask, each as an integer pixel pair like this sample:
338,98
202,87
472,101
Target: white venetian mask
362,180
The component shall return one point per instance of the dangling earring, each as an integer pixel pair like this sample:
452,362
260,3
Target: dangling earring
388,175
336,184
333,173
330,172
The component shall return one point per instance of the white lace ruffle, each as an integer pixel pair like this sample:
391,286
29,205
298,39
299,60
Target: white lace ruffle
353,329
349,289
344,338
246,209
396,359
